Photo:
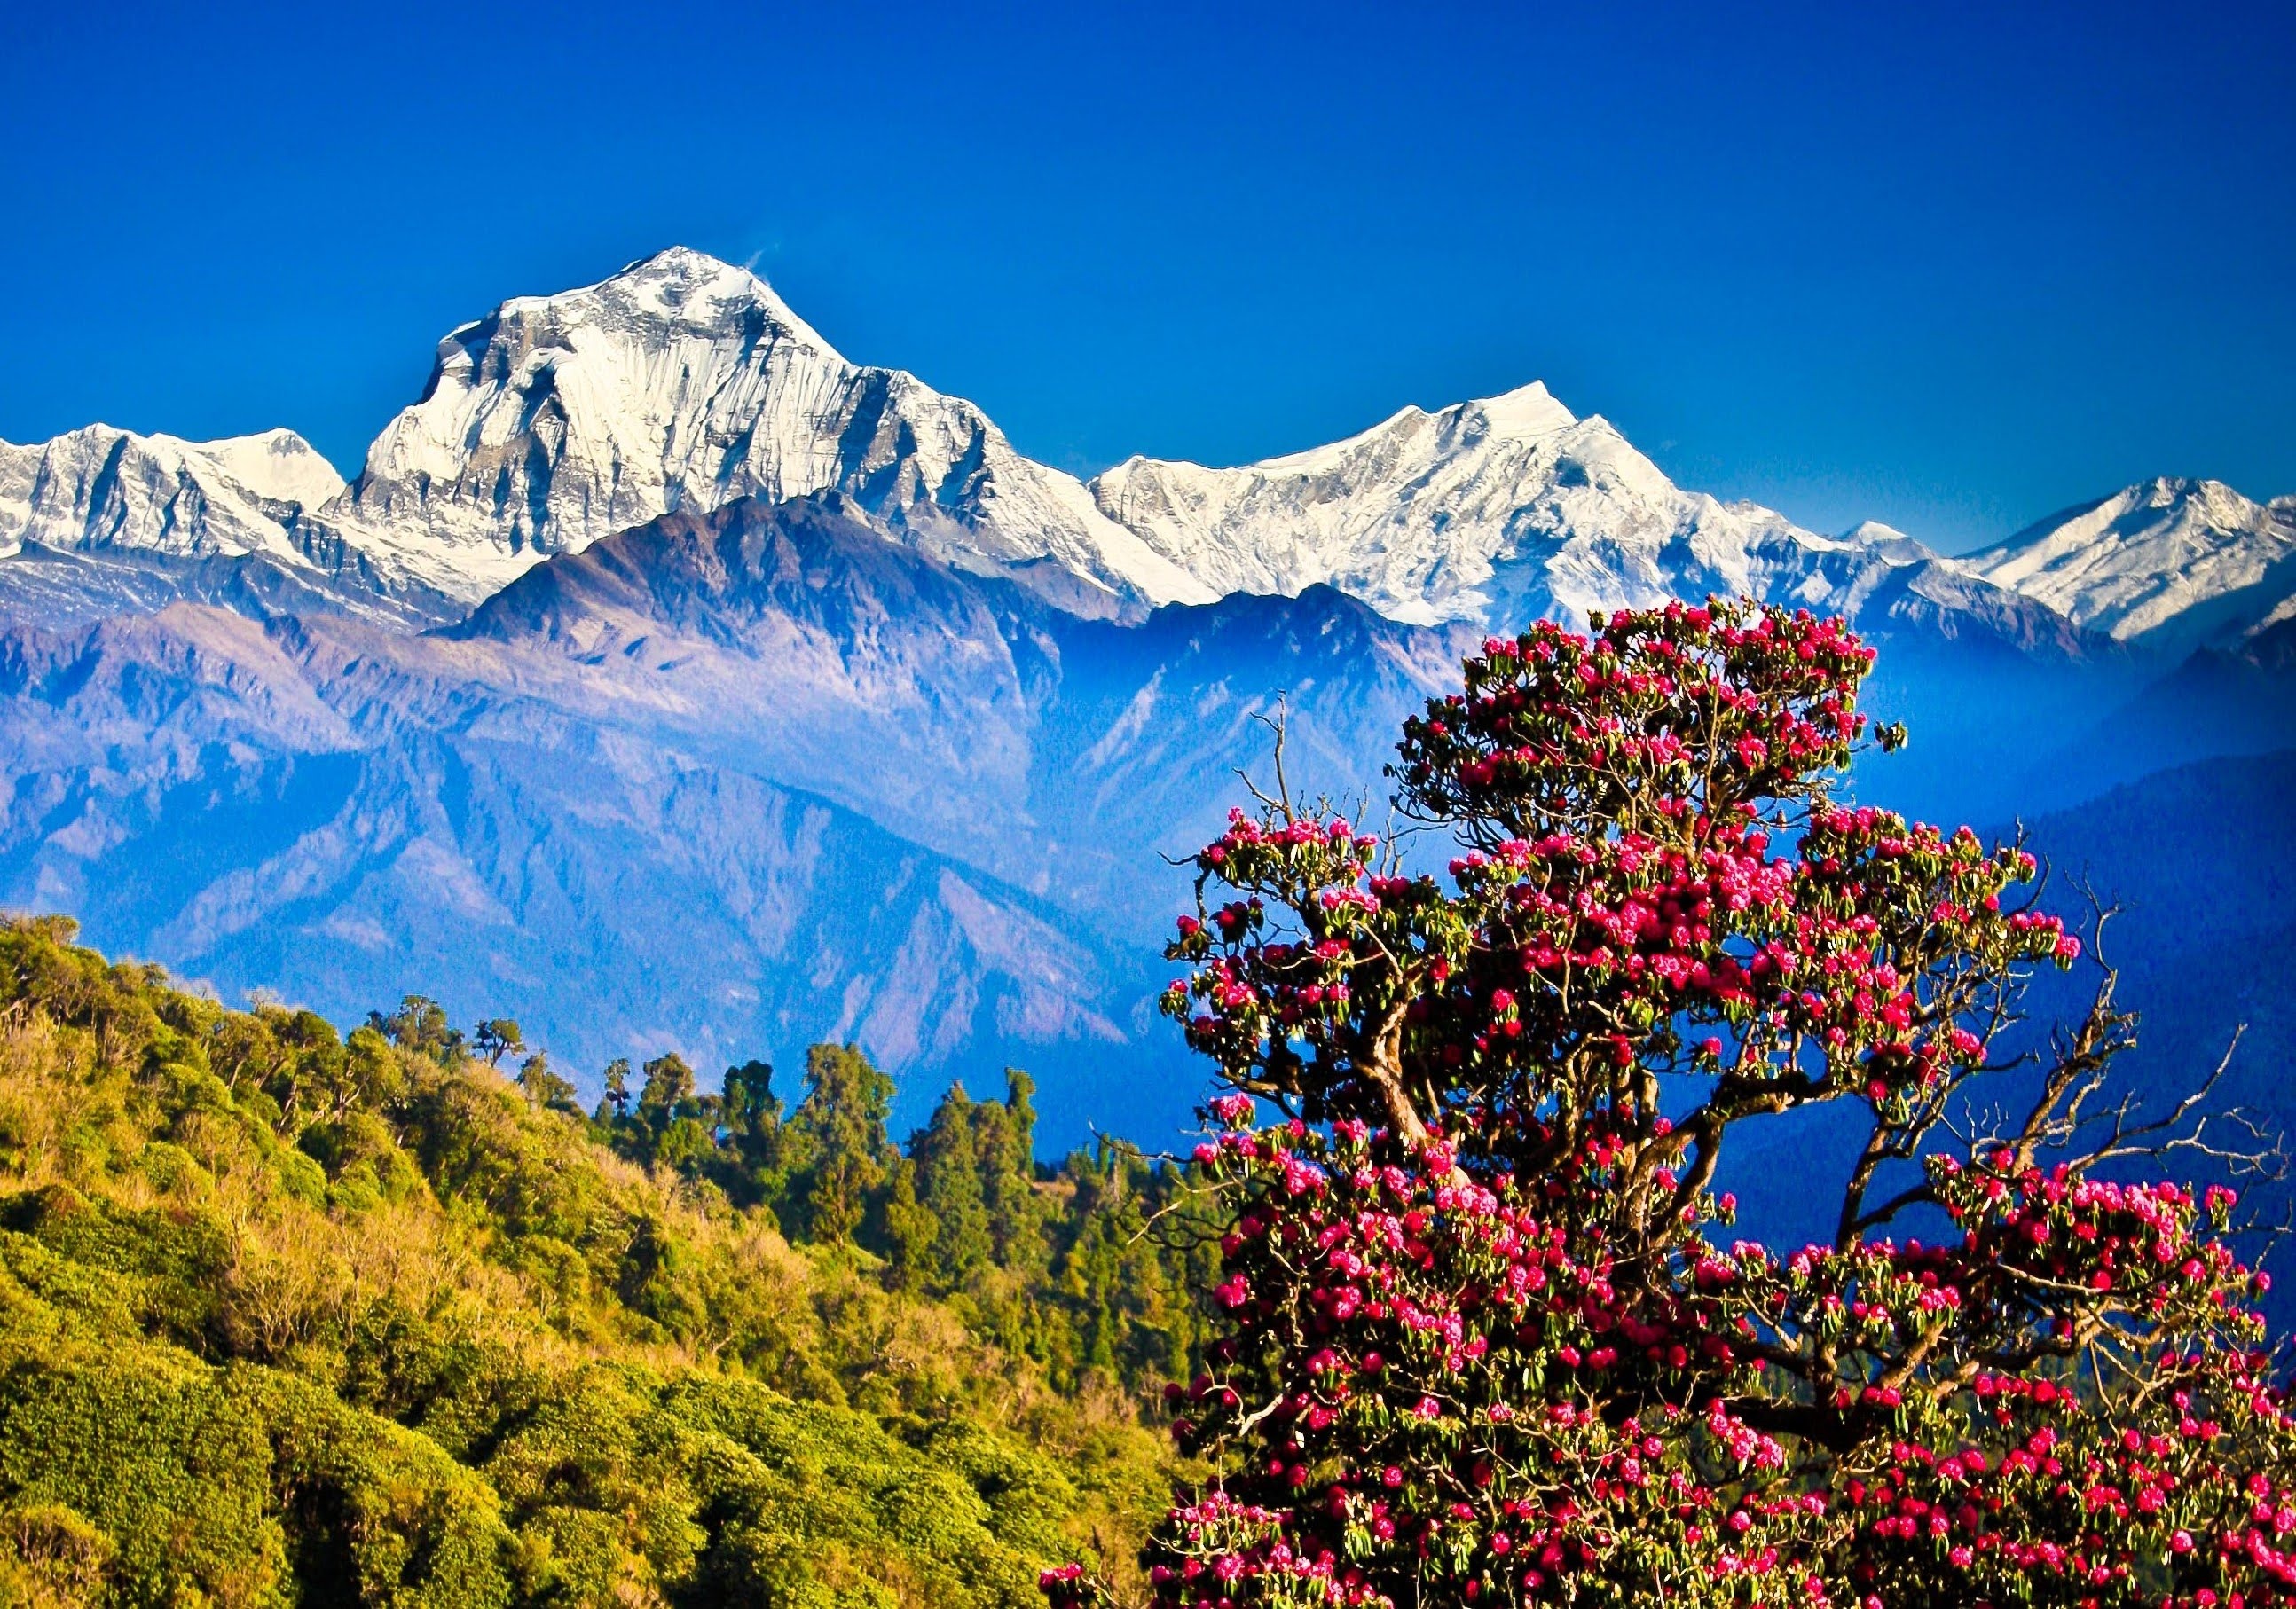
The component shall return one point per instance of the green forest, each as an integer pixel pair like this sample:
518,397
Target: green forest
289,1316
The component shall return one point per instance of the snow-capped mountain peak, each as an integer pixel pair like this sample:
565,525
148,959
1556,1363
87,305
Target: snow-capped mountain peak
1525,412
2171,563
684,382
1496,509
102,488
1519,415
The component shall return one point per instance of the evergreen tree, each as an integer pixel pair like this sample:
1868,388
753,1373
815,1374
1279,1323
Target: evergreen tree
1005,1145
948,1167
840,1125
909,1231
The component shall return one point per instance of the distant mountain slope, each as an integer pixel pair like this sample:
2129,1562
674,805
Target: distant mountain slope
2201,861
340,814
2173,564
45,586
732,782
2238,698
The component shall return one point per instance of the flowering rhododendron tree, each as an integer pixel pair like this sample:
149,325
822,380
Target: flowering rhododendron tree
1489,1339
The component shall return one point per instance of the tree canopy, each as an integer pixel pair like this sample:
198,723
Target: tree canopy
1486,1337
288,1317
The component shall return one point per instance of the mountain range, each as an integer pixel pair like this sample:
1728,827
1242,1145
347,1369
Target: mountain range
663,678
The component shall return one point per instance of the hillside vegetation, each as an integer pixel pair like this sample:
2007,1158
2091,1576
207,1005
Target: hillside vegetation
288,1317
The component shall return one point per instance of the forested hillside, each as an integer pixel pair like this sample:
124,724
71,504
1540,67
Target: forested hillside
288,1317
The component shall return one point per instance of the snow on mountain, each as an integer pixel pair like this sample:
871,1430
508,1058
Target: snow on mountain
1499,511
683,382
2167,563
98,488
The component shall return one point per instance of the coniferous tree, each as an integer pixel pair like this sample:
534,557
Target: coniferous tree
949,1168
1005,1145
909,1230
840,1125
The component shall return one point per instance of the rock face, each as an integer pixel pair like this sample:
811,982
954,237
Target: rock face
684,383
2173,564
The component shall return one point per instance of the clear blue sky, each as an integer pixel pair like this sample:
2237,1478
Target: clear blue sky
1951,267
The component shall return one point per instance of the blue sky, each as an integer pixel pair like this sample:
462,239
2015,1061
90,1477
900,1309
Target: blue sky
1951,267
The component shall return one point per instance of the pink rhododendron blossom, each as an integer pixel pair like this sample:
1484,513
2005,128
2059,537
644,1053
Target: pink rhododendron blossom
1484,1340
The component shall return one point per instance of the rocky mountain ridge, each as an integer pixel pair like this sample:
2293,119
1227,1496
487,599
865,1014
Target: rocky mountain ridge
730,781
